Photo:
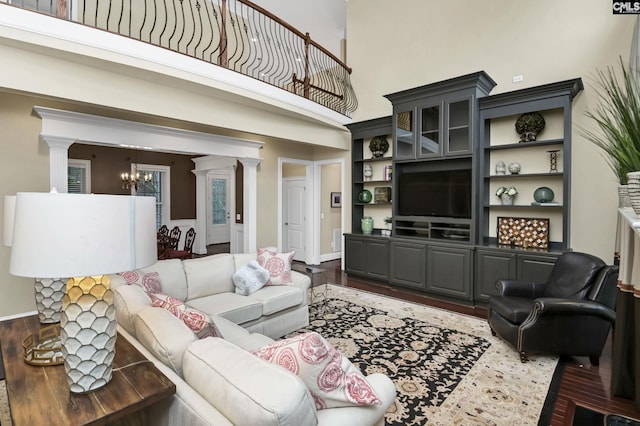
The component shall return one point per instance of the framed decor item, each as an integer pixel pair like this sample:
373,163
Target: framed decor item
523,231
336,199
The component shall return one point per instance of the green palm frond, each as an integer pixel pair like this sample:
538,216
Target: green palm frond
617,116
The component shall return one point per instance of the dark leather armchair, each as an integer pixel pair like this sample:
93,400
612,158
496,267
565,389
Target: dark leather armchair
570,314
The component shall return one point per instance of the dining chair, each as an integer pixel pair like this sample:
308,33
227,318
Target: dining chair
175,237
189,238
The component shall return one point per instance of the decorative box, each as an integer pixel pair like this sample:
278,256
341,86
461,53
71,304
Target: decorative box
523,231
382,194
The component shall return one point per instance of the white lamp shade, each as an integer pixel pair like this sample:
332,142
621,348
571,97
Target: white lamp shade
7,219
74,235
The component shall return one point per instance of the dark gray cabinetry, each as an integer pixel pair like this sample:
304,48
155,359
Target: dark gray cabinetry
500,142
367,256
449,271
438,119
408,263
492,265
361,135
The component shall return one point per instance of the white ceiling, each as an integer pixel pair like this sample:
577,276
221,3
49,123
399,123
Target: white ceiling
324,20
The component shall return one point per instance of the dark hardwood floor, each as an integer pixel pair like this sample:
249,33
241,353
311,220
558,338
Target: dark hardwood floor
581,383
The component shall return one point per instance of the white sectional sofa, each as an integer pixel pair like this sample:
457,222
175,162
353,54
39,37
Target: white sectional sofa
218,380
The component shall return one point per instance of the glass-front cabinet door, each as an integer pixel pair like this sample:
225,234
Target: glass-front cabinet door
430,138
405,147
459,129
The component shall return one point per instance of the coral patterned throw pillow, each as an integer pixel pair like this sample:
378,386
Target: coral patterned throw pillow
278,265
331,378
196,320
150,281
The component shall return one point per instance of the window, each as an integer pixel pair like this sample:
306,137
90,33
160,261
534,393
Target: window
79,177
156,186
44,6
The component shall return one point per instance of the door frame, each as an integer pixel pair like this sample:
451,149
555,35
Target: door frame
317,197
314,182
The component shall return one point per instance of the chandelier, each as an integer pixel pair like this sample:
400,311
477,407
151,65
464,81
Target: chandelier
133,180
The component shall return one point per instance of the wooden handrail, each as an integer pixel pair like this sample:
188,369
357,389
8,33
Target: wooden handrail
296,32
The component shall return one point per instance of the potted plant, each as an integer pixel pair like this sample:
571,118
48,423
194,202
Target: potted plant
378,146
506,194
617,115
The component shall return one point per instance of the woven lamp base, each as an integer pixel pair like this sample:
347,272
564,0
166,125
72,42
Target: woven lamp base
49,293
88,333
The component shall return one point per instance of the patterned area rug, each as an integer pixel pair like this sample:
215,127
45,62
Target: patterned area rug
447,367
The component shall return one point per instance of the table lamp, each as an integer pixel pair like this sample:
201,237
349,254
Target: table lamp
48,292
84,236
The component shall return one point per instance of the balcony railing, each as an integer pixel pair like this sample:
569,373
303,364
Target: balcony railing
235,34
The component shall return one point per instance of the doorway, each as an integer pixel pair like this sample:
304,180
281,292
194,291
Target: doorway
320,204
218,208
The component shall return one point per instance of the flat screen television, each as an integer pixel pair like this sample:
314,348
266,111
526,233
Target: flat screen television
442,193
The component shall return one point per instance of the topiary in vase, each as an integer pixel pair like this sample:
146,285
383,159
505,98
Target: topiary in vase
378,146
529,125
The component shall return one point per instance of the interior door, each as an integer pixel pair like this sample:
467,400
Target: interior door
218,215
293,216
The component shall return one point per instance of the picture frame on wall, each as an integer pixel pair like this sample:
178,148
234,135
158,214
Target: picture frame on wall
336,199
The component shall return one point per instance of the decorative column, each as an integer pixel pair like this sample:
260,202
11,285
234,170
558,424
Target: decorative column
58,161
200,244
250,201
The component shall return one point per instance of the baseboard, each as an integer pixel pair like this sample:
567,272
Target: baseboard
23,314
330,256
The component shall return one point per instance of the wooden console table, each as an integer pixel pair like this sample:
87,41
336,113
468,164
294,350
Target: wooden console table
40,395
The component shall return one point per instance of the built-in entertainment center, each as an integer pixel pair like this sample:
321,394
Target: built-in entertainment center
449,142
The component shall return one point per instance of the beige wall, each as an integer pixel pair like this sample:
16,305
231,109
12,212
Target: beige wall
24,166
419,42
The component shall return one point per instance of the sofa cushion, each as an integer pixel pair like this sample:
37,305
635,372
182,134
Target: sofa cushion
164,335
244,388
278,265
250,278
277,298
241,259
149,281
209,275
197,321
171,272
235,308
330,376
129,300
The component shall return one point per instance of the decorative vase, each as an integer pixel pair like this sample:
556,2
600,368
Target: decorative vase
365,196
501,168
543,195
378,146
366,223
514,168
368,172
506,199
633,179
623,196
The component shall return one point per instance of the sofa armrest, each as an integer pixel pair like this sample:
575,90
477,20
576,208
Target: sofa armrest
519,288
303,282
246,389
116,281
558,306
365,415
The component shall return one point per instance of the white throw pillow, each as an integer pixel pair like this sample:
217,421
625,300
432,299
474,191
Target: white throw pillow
278,265
250,278
331,378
